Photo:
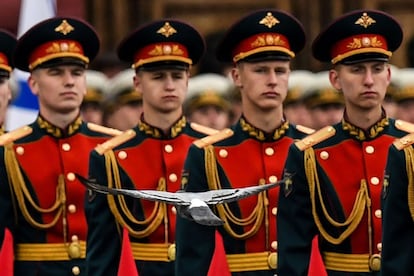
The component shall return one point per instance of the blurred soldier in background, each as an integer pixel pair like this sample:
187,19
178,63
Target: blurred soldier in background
293,106
324,103
404,95
123,103
91,108
207,101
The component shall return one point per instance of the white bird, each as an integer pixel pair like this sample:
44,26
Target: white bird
190,205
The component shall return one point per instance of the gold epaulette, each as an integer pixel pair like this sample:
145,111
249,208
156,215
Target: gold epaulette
203,129
404,126
211,139
305,129
404,142
105,130
315,138
115,141
14,135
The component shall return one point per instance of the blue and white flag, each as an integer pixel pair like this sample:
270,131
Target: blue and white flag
24,108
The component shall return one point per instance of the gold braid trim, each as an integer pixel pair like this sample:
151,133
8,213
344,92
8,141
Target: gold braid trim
409,163
157,215
19,188
362,200
256,217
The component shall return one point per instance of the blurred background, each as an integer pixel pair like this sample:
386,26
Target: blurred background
113,19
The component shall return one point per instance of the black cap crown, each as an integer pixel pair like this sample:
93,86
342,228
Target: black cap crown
55,41
7,45
262,35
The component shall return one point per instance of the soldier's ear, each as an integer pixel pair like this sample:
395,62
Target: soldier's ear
334,79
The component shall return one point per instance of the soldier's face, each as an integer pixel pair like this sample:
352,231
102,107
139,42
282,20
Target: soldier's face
5,96
262,84
60,89
163,90
364,84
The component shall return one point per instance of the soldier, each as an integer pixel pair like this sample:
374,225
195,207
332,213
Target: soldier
261,45
123,102
293,106
91,108
148,156
337,171
40,198
403,96
324,103
207,101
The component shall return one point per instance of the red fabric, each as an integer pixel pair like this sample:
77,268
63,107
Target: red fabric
218,265
316,267
127,262
6,255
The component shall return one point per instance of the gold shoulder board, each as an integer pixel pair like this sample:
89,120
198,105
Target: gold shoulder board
304,129
404,126
115,141
203,129
15,134
214,138
404,142
315,138
103,129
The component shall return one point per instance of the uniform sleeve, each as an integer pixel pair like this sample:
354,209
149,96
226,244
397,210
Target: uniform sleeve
295,225
195,243
6,204
103,241
398,226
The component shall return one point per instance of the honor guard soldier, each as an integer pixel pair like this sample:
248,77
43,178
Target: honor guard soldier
91,108
261,45
337,171
7,45
123,102
207,101
398,194
149,156
40,198
403,96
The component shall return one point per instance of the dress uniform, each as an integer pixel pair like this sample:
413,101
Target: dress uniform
144,157
337,171
40,197
398,208
250,156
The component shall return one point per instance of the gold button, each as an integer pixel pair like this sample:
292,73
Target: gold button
379,246
274,245
324,155
274,211
122,155
168,148
75,270
173,177
71,176
223,153
375,262
75,238
171,252
20,150
273,179
72,208
272,260
378,213
269,151
369,149
375,180
66,147
174,210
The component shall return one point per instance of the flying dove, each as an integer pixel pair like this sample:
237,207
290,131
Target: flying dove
190,205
